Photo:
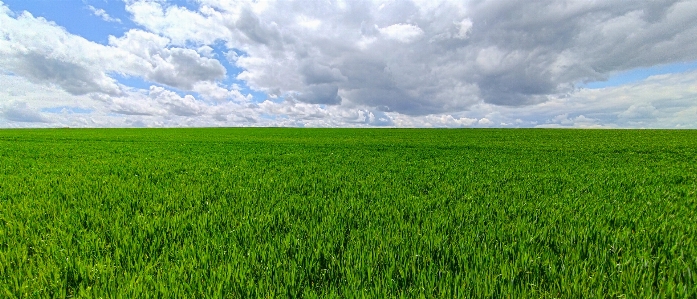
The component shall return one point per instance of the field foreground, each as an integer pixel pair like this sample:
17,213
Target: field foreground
322,213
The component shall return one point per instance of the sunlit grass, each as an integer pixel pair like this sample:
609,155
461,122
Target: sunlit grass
323,213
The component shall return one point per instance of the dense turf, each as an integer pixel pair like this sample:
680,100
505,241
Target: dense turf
348,213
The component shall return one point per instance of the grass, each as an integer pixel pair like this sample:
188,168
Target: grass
350,213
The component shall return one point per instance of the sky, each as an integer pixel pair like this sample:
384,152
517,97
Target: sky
336,63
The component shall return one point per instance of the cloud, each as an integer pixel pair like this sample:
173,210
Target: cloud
175,104
672,96
156,101
641,111
43,52
437,121
563,120
404,33
21,112
465,28
217,93
148,56
73,76
103,14
504,53
319,94
180,24
361,63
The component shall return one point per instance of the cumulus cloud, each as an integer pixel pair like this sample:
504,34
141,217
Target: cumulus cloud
21,112
147,55
43,52
180,24
641,111
672,96
217,93
503,53
159,101
365,63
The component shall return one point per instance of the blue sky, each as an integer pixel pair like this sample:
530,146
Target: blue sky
104,63
77,18
639,74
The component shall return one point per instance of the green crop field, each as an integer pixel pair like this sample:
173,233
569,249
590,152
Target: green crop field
348,213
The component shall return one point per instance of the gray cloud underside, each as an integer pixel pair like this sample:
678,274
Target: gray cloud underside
21,112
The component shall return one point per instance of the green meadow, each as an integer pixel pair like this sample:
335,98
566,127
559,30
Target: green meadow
348,213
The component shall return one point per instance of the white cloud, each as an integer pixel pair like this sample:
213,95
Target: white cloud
215,92
40,51
465,28
21,112
357,63
641,111
103,14
504,59
308,22
405,33
158,106
206,51
485,121
151,59
180,24
435,121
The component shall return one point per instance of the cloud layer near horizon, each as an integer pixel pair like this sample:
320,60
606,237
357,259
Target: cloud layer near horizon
355,63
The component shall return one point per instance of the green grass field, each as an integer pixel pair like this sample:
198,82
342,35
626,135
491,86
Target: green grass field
350,213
